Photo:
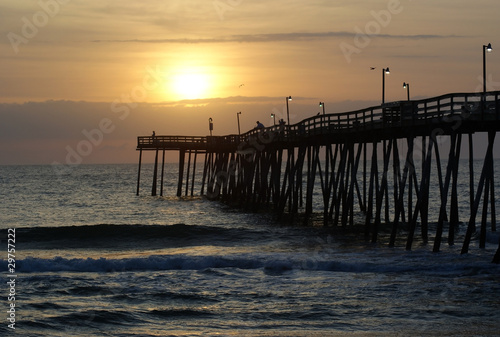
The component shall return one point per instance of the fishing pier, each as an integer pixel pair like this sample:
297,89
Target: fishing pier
361,162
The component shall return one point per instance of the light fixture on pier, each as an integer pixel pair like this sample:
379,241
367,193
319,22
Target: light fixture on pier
273,116
485,49
238,117
322,105
407,87
384,72
289,98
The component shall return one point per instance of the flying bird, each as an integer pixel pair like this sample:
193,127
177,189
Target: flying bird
241,85
373,68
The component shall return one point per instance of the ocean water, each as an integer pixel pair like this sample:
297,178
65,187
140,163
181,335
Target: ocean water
94,259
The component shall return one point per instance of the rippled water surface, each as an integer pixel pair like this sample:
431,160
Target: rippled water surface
93,259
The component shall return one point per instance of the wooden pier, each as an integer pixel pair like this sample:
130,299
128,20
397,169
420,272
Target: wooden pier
279,167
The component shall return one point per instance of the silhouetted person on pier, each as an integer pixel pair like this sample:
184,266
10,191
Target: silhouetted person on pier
302,129
153,137
282,124
259,125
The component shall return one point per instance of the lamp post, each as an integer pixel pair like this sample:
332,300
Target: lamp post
273,116
322,105
238,117
384,71
289,98
407,87
485,49
210,125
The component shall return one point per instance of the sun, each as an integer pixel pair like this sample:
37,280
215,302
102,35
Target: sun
189,84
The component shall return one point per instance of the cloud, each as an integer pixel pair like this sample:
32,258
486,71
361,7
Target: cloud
229,100
43,132
276,37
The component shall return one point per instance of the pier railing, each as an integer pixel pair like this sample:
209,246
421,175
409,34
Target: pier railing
389,116
171,142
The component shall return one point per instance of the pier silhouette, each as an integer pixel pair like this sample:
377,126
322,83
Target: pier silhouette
279,167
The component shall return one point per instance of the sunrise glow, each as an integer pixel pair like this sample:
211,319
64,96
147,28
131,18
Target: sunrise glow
188,84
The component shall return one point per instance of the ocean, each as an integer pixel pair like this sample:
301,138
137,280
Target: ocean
90,258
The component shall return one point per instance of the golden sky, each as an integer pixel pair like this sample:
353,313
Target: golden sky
169,65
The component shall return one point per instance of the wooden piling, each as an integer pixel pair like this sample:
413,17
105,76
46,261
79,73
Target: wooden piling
139,172
471,228
187,173
182,154
162,172
421,196
371,188
401,193
206,166
492,197
155,173
452,162
454,217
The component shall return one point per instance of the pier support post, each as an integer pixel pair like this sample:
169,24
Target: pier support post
276,177
397,181
422,194
339,188
493,207
381,192
454,219
312,152
162,173
471,172
187,173
155,175
364,176
331,186
194,172
452,163
206,168
472,220
325,185
372,186
182,154
399,203
139,172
